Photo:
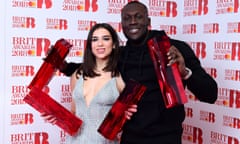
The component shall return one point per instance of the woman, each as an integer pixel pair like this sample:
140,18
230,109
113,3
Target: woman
95,85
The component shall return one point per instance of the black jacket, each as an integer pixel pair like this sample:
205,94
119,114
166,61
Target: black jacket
153,123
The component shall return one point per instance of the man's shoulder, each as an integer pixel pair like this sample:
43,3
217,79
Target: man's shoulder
177,41
157,33
173,41
182,46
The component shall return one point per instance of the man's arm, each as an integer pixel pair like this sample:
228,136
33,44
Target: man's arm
69,68
200,83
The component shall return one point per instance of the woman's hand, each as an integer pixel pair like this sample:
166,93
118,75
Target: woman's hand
130,111
49,118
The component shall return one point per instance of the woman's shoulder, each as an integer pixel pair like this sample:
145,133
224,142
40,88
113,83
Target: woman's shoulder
120,83
73,79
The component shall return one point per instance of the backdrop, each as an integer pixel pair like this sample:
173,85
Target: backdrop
30,27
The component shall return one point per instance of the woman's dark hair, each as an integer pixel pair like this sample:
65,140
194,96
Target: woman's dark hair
87,69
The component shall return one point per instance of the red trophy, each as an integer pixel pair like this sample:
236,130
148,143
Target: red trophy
41,101
115,119
169,78
54,60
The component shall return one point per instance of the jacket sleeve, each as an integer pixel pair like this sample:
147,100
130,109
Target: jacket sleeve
69,68
200,83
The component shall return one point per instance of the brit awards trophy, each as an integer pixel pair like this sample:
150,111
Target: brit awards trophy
169,78
115,119
41,101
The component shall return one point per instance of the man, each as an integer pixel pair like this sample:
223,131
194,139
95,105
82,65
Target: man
153,123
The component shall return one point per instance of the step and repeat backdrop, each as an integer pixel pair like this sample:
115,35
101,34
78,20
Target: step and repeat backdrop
2,65
30,27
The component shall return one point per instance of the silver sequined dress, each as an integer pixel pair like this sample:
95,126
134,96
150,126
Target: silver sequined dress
93,114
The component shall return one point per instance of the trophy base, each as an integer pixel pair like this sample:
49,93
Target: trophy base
43,103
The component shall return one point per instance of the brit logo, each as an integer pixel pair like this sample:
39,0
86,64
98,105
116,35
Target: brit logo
227,6
66,96
233,27
227,51
188,112
162,8
115,6
199,48
211,71
77,48
23,22
169,29
22,119
56,24
30,46
189,29
116,25
228,98
85,25
195,7
219,138
230,121
211,28
80,5
32,3
18,93
207,116
233,75
192,134
29,138
22,70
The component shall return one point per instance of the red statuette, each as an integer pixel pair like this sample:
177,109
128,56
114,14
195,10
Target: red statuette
54,60
169,78
41,101
115,119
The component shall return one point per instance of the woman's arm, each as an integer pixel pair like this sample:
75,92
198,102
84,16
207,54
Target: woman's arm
73,80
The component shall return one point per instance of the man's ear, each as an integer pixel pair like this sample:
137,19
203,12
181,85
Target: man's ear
149,23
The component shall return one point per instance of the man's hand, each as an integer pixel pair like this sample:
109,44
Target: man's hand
175,56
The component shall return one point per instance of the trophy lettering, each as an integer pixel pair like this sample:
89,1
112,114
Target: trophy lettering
115,119
41,101
169,78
